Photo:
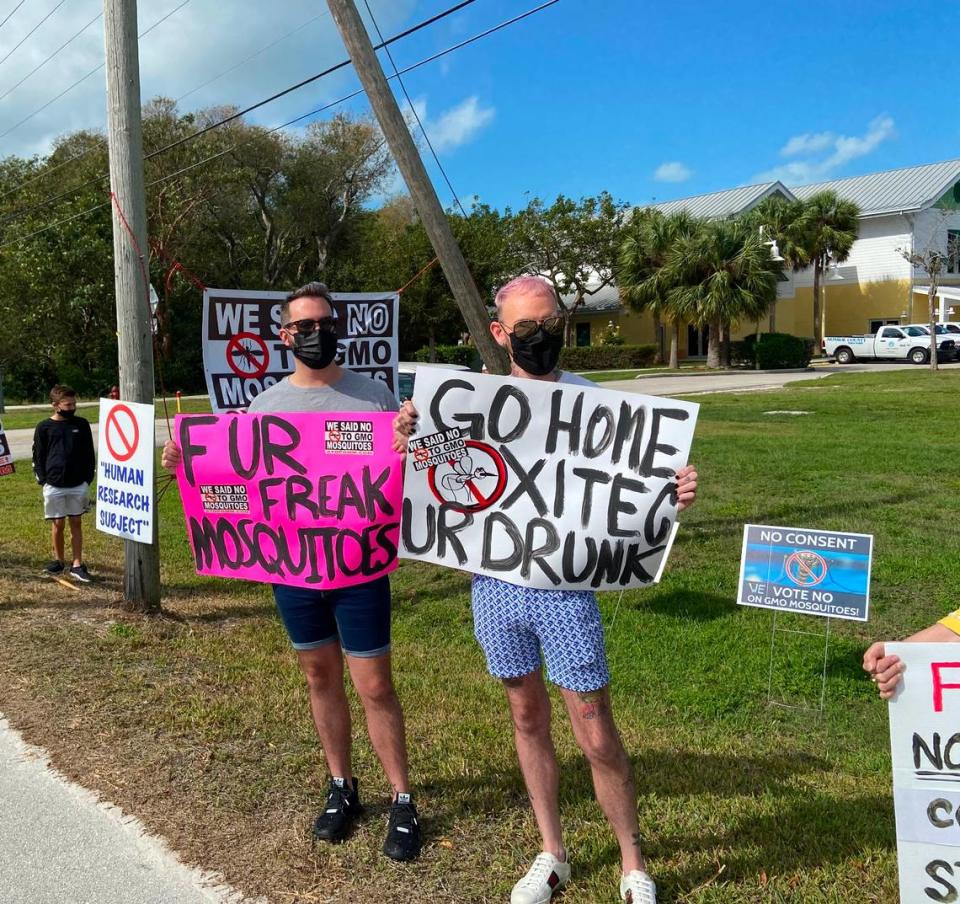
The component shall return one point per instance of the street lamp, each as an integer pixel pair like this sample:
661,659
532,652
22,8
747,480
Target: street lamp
772,245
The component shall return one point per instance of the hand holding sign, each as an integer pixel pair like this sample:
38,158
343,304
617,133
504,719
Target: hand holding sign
264,505
584,498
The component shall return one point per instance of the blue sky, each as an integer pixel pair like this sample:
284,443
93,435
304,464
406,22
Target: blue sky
646,100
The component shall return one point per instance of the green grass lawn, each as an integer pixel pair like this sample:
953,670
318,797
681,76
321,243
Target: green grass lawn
198,722
18,418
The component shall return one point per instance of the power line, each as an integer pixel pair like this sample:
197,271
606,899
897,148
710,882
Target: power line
430,59
234,116
307,81
32,30
411,68
416,115
52,55
253,55
12,11
79,81
96,69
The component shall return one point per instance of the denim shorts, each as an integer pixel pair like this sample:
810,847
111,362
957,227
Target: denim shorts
357,616
514,624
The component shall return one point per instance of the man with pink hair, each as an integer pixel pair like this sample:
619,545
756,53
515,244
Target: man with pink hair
519,627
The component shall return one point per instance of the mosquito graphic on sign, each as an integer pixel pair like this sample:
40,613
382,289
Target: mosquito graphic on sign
471,482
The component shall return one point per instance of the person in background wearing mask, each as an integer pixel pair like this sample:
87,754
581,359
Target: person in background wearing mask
325,626
64,463
514,624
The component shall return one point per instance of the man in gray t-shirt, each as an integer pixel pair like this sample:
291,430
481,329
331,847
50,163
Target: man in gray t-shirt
351,392
351,622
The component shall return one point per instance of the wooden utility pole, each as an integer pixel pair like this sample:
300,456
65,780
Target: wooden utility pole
130,263
414,173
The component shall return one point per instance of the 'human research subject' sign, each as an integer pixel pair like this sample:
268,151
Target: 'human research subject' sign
813,572
548,485
925,747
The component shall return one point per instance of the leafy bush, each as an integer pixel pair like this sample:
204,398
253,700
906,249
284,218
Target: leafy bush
743,352
467,355
776,351
607,357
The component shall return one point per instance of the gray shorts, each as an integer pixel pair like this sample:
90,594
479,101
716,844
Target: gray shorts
64,502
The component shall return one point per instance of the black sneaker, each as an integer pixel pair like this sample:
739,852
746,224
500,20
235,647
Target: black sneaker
343,804
55,567
80,573
403,834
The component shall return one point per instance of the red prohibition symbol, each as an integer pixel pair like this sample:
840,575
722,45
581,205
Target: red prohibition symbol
247,355
472,482
122,438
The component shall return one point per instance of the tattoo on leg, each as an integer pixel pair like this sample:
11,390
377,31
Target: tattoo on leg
591,705
636,840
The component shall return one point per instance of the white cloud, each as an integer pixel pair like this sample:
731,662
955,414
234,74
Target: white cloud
843,149
193,46
808,143
459,124
672,171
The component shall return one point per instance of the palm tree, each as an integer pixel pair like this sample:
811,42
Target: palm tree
723,272
776,218
826,229
647,241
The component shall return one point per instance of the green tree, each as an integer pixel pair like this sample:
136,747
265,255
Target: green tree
647,241
573,244
723,273
826,229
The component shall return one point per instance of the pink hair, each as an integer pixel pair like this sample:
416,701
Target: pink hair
528,285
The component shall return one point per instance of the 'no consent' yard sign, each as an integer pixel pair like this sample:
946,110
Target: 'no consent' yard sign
125,470
243,354
813,572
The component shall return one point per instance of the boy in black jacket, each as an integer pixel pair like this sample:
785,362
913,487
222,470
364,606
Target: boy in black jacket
64,464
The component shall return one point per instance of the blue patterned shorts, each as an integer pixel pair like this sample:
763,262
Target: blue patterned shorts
513,624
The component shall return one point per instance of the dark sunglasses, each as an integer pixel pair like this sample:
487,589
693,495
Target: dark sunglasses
525,329
306,327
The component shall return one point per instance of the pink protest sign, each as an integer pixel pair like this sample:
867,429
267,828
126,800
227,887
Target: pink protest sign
303,499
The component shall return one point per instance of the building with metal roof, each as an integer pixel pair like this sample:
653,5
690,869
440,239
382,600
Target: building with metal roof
904,190
726,203
902,211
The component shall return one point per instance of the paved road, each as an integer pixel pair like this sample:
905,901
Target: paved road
746,381
58,844
661,385
21,441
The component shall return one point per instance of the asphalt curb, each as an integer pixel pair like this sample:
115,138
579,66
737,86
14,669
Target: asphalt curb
725,373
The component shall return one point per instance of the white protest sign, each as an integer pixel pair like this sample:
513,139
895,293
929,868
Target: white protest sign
6,456
243,354
549,485
125,455
925,743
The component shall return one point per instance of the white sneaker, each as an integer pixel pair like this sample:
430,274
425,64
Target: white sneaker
542,879
636,887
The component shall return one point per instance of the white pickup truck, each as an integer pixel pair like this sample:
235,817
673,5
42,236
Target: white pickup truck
894,342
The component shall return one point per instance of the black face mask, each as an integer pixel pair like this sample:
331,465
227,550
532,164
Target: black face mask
538,355
67,414
316,349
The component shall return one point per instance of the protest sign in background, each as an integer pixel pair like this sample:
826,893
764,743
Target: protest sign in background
6,458
813,572
305,499
549,485
243,354
125,454
925,746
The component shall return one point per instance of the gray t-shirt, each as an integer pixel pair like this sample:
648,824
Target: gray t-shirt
352,392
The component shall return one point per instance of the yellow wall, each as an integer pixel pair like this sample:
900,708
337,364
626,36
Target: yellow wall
849,310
